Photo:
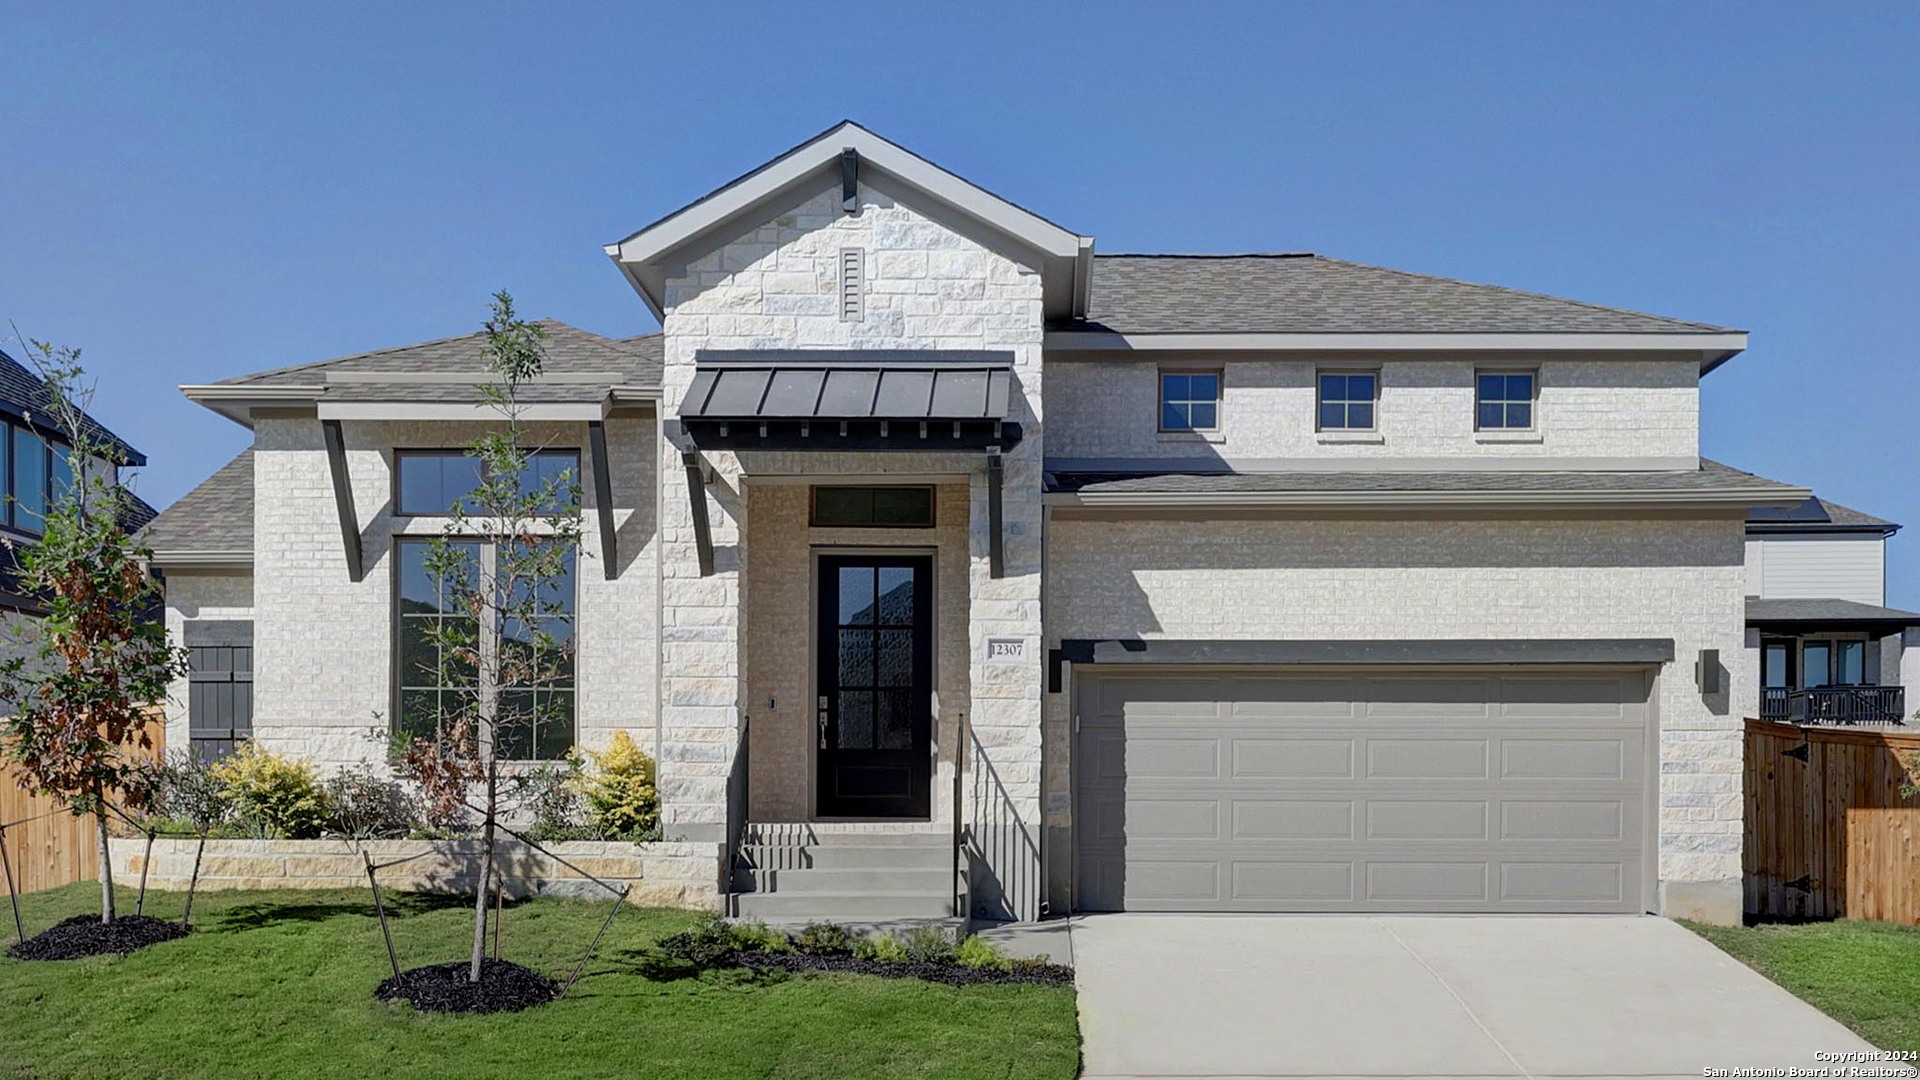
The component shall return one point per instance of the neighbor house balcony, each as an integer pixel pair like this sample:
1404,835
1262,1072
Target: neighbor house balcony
1834,705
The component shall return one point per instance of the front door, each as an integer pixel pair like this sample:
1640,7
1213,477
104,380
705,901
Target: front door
874,713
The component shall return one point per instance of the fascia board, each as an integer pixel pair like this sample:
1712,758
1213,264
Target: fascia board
1410,500
1071,341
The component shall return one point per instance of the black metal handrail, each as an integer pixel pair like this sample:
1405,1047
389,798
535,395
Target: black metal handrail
736,805
960,892
1834,705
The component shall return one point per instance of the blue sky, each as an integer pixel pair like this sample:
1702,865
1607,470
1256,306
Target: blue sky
195,194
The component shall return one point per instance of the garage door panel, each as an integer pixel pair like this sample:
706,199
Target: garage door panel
1410,797
1428,758
1255,758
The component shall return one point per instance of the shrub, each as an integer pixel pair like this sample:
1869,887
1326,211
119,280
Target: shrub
750,936
927,945
620,793
549,797
188,798
818,938
275,796
706,945
882,949
364,805
981,955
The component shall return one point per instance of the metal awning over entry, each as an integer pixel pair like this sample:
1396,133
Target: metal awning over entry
850,400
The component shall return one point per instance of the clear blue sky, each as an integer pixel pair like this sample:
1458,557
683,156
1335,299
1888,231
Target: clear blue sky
193,195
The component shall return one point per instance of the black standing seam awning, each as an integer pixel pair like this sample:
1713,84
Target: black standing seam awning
850,400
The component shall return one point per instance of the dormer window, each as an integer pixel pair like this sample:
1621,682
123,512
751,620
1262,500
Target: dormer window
1503,400
1189,401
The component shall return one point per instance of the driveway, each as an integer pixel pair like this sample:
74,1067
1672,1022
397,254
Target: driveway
1539,996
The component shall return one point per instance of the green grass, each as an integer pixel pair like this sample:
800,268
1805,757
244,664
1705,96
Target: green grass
1865,975
281,984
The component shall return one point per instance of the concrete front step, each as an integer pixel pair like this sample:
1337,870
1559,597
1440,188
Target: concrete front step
937,881
841,907
848,857
823,836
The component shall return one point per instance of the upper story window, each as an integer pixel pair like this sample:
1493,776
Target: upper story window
872,507
1503,400
1190,401
431,482
35,472
1347,400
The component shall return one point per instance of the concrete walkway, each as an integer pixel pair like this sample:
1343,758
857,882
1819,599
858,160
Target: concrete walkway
1415,996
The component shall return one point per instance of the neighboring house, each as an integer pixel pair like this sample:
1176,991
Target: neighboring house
1225,583
36,462
1825,645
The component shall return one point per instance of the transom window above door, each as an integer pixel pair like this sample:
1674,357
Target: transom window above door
1190,401
431,482
837,507
1347,400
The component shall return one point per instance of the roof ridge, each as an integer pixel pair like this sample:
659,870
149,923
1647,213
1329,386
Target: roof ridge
1589,305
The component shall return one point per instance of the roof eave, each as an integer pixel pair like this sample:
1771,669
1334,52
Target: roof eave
1714,348
235,559
1729,498
237,403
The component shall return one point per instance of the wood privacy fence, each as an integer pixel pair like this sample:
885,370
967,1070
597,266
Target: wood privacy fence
57,849
1828,832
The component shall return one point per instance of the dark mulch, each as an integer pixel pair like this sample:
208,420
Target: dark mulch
503,987
86,935
950,974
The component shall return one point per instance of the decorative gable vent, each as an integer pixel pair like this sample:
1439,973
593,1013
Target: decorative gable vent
853,284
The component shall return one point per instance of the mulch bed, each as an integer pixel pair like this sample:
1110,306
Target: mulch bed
503,987
86,935
949,974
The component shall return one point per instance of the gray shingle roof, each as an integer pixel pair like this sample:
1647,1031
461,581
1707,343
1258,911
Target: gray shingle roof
1816,515
634,361
1711,476
23,393
216,516
1825,610
1310,294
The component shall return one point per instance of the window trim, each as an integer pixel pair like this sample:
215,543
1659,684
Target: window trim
933,506
395,685
1319,401
399,452
1533,402
1160,401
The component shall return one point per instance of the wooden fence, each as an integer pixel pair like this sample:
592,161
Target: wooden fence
57,849
1828,832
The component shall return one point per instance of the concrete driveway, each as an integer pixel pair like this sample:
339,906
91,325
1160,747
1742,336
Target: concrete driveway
1545,996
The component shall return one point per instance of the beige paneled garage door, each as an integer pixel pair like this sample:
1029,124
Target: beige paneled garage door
1372,791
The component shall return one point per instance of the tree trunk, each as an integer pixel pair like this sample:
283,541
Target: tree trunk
106,857
486,872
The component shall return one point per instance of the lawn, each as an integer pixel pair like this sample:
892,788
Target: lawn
1865,975
280,984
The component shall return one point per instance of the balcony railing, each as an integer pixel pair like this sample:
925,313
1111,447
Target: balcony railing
1834,705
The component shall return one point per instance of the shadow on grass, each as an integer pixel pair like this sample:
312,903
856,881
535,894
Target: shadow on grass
258,916
656,966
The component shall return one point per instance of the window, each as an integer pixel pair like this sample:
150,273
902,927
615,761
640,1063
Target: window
873,507
1190,401
1833,663
1776,666
431,482
1503,401
35,471
433,684
1347,400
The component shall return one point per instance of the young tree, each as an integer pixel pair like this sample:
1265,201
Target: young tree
503,633
80,681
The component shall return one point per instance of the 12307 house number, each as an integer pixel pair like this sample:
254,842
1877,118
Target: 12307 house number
1006,650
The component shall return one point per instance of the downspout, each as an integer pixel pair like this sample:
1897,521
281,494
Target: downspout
1046,849
659,586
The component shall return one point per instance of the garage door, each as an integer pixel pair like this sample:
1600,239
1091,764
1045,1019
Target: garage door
1371,791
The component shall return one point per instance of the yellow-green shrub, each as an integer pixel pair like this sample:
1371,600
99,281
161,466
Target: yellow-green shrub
276,796
620,792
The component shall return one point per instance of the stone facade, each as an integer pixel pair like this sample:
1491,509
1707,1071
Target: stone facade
323,643
657,874
774,283
1329,578
194,597
1588,408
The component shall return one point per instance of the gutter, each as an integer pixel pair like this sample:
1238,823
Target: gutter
203,560
1724,497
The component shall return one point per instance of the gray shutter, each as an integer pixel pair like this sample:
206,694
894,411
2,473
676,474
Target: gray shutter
219,698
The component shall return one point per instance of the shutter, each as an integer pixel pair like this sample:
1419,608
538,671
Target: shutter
219,698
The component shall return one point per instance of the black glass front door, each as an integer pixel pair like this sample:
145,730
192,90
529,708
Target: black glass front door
874,713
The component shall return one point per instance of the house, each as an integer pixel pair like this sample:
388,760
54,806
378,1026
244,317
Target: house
35,463
1826,646
1164,583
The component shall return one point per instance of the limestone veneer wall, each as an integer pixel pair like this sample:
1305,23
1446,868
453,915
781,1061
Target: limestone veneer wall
198,597
673,874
